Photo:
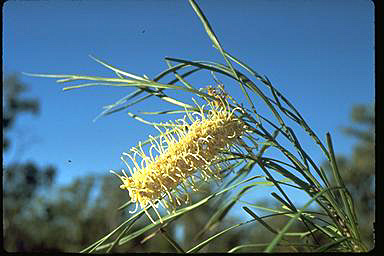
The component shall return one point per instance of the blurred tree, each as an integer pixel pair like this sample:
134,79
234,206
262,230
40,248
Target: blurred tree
38,216
13,105
21,181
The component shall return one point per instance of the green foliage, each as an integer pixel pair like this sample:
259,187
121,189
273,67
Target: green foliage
358,170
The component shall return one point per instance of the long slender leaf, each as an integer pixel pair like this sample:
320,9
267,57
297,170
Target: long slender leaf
277,239
171,241
260,220
237,248
176,214
118,70
207,241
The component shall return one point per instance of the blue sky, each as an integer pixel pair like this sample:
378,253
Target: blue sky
319,54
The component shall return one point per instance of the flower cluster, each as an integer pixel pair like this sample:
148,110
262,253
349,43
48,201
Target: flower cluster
182,152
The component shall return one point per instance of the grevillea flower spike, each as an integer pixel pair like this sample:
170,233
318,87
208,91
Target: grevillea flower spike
169,176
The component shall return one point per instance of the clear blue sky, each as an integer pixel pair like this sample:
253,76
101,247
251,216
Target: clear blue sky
319,54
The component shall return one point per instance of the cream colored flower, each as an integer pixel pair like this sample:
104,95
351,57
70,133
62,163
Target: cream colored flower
182,152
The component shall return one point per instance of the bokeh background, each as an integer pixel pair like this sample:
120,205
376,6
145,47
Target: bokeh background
58,193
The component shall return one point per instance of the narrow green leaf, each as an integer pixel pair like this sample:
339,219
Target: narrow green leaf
127,228
345,197
119,102
138,118
283,202
207,241
176,214
118,70
261,221
277,239
162,112
171,241
329,245
237,248
98,243
180,78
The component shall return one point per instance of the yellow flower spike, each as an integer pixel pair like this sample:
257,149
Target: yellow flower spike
183,151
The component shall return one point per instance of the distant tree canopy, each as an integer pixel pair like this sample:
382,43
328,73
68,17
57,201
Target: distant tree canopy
21,181
39,216
14,105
